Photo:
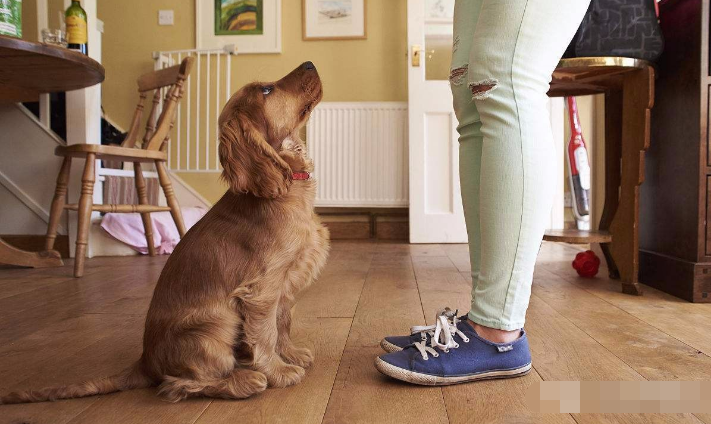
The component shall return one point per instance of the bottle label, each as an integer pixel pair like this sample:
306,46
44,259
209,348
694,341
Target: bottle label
76,30
11,18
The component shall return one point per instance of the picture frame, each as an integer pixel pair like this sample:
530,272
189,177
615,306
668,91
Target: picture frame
334,20
251,26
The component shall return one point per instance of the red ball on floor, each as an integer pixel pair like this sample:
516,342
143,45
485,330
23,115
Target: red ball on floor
587,264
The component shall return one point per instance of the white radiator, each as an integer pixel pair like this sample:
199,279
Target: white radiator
360,153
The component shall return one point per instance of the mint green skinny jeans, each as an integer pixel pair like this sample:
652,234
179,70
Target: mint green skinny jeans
503,56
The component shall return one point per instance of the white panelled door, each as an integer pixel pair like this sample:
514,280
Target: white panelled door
436,214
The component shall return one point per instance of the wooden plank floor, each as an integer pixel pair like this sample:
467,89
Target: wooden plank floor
55,329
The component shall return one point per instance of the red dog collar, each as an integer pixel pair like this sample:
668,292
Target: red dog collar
301,176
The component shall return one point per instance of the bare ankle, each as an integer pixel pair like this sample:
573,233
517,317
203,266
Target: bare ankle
493,334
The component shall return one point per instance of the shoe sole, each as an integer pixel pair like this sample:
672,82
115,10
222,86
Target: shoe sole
433,380
389,347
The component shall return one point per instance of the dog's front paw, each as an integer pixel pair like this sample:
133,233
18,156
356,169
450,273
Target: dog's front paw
254,382
285,375
298,356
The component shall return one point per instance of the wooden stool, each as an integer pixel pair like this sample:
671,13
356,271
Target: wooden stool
628,85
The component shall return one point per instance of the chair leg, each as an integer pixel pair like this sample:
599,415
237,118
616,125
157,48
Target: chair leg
60,195
170,197
86,202
143,200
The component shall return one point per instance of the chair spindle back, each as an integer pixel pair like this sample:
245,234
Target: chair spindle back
158,125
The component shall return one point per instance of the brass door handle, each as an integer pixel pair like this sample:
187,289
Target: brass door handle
416,54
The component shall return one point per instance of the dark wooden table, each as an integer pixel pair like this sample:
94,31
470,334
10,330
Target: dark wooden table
27,70
628,85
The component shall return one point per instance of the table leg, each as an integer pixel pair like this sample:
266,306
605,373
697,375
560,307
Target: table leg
12,256
613,154
637,101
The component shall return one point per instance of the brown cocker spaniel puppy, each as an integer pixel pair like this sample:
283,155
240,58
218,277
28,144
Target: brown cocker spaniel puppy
219,321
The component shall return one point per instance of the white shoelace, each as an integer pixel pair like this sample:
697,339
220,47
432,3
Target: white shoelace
426,330
442,334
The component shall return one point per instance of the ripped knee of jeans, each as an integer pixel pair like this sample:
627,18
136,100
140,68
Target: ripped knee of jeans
481,90
458,75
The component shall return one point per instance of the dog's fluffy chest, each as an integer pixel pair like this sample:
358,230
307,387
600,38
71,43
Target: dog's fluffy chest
301,249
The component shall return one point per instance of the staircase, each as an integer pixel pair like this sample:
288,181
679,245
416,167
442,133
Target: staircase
28,168
28,172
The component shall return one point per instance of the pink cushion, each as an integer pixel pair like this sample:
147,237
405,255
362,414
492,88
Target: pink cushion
128,228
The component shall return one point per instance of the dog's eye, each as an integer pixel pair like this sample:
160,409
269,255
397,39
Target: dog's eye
267,90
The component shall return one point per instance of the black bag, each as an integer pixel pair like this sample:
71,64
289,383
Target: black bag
626,28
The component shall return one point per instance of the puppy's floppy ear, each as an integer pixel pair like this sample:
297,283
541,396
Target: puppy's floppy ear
250,164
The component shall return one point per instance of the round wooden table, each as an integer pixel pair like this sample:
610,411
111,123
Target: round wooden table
27,70
30,69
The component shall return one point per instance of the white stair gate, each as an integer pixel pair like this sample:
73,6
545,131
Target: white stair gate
194,147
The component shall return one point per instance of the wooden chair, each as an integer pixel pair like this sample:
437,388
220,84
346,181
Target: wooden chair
153,149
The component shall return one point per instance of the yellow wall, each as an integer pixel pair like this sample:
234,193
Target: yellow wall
29,17
29,20
360,70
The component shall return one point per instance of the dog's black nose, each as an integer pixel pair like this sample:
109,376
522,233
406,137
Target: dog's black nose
309,66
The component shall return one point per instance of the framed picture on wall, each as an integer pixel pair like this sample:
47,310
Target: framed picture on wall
334,19
252,26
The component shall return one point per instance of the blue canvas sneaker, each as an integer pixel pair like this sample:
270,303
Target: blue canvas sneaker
456,355
420,333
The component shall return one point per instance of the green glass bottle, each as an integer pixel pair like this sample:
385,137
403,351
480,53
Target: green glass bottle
75,19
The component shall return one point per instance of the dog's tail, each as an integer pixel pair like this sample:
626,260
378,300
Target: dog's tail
130,378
